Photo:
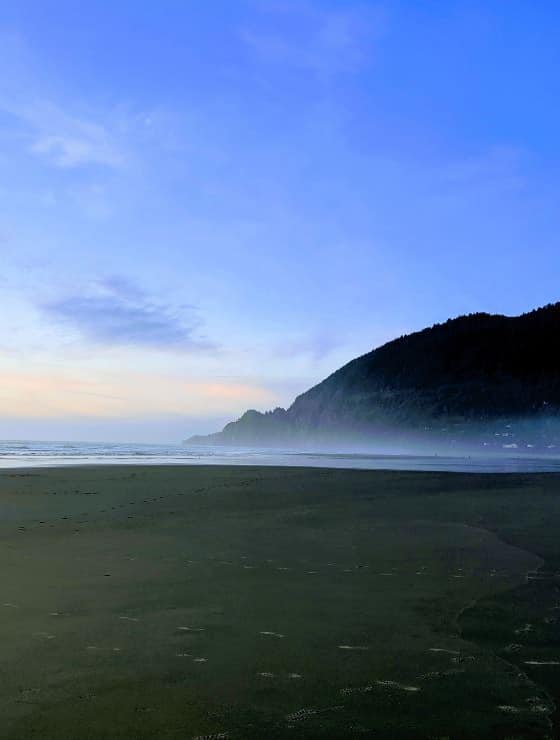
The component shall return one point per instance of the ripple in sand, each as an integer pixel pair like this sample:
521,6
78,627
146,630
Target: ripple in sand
443,650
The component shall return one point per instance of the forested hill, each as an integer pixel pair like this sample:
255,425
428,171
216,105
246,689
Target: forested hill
471,369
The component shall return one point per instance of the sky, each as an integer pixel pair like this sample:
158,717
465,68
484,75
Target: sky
209,207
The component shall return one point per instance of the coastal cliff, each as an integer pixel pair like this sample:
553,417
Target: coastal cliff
472,371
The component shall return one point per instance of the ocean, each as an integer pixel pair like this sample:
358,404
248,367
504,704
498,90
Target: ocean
25,453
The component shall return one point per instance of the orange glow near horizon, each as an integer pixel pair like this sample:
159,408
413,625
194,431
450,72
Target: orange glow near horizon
38,395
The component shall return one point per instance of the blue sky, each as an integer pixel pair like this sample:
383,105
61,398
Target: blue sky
210,206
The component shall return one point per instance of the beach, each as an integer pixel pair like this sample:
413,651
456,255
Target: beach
251,602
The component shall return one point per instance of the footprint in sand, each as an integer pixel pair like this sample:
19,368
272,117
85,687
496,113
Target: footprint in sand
536,705
441,674
508,709
395,685
463,659
96,647
541,662
357,690
521,630
300,715
513,647
353,647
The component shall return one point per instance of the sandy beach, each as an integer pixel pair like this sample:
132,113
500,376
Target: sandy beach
241,602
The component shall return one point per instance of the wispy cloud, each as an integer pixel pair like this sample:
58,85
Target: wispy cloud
116,312
70,142
309,36
52,128
62,139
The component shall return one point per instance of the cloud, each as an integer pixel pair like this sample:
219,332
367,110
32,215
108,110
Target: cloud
50,126
116,312
65,140
308,36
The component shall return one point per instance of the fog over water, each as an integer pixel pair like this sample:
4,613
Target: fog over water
18,453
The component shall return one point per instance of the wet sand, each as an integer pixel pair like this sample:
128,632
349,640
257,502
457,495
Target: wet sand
141,602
